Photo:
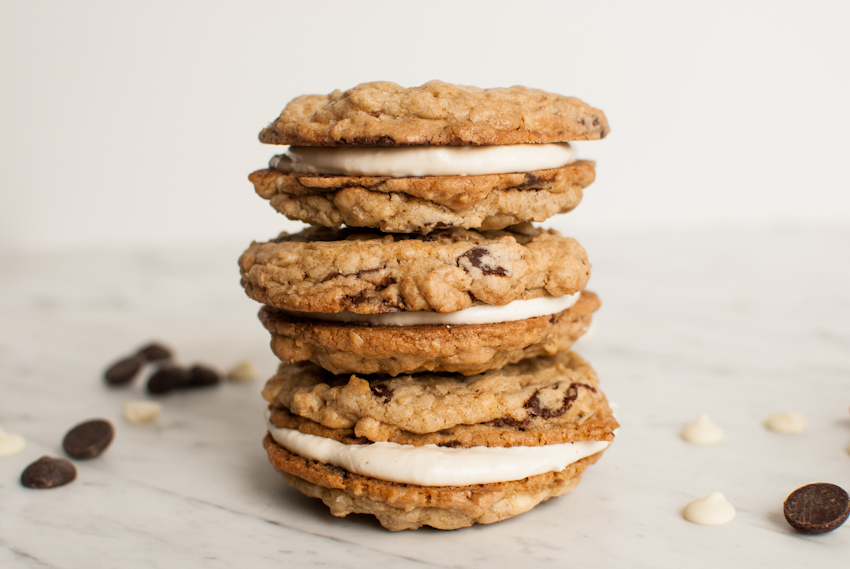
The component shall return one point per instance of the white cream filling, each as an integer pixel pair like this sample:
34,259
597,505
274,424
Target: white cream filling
480,314
401,161
432,465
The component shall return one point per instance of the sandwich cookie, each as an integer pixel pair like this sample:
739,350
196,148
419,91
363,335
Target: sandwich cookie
429,157
438,449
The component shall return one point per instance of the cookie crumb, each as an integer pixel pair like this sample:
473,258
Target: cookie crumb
11,444
788,423
703,431
138,412
713,510
242,372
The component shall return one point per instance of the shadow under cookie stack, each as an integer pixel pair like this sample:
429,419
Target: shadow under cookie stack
423,323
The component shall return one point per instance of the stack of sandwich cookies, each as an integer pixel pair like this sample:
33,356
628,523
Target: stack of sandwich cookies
426,378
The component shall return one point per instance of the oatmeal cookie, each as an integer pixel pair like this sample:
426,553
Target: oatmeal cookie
537,392
423,204
441,114
598,425
463,348
407,506
367,272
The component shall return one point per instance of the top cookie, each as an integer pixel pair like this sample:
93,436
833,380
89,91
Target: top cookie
440,114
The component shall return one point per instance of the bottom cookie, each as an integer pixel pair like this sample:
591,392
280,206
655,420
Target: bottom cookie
406,506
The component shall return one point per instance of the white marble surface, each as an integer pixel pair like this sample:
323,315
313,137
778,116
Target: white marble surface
738,324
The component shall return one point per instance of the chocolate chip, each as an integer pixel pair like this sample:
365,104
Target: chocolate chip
478,257
167,378
383,140
382,391
535,409
123,371
202,376
817,508
89,439
48,472
533,181
359,298
154,352
509,422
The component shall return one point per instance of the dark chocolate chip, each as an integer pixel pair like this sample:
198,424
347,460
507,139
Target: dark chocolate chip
202,376
536,410
476,256
48,472
509,422
154,352
383,140
382,391
817,508
123,371
89,439
359,298
533,181
167,378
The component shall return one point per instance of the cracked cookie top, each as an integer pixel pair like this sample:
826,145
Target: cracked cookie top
368,272
382,113
536,394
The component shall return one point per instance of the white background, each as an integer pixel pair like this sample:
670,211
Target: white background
136,124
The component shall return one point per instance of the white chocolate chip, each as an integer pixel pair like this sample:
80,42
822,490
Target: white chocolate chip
11,444
141,411
244,371
712,510
789,423
703,431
